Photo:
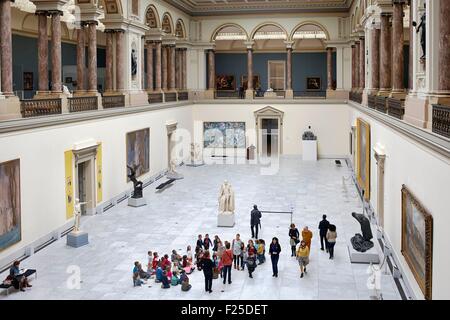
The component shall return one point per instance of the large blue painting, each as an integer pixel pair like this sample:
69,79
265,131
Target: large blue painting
224,134
138,151
10,215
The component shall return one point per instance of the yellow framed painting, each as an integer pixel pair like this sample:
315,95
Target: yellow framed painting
363,156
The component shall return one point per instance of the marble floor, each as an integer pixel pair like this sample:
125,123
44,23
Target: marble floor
173,219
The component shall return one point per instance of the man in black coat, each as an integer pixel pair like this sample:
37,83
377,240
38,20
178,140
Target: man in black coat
323,228
255,221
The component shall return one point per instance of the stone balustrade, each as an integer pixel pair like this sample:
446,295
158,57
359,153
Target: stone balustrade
79,104
441,120
113,101
396,108
40,107
155,98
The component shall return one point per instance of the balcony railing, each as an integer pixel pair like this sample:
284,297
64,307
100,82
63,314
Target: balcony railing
170,96
225,94
275,94
155,98
371,101
396,108
113,101
380,104
356,97
310,94
183,96
79,104
441,120
40,107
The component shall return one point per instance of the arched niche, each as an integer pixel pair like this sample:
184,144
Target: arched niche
167,23
180,30
152,17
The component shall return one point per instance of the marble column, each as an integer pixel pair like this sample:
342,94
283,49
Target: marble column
6,48
172,69
444,47
81,57
362,63
397,48
164,67
289,68
329,68
375,74
354,67
149,48
92,56
385,54
158,75
211,70
411,48
177,69
357,59
250,68
183,69
109,86
42,51
56,52
120,60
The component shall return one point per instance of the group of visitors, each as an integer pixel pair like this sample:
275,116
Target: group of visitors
327,234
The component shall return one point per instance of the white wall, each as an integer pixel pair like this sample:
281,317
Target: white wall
427,175
42,171
327,121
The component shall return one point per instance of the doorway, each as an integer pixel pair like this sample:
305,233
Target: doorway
269,137
85,185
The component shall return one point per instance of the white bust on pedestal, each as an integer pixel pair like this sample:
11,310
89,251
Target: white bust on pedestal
226,206
196,156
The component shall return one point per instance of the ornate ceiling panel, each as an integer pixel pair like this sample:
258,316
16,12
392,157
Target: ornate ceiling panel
208,7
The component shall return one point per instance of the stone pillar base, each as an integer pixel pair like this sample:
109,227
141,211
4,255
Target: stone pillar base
249,94
208,94
196,95
137,99
337,94
10,108
289,94
416,111
42,94
63,97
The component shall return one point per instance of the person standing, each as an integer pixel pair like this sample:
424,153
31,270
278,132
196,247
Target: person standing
207,265
274,252
303,257
293,235
255,221
323,229
237,251
331,239
227,261
207,242
307,236
216,243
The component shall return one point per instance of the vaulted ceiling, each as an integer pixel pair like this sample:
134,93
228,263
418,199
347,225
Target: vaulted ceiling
215,7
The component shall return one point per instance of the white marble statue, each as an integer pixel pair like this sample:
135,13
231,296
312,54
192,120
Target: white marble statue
226,198
195,153
172,166
77,208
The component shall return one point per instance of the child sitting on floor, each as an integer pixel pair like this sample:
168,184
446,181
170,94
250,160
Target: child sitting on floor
159,274
187,265
175,280
165,283
185,286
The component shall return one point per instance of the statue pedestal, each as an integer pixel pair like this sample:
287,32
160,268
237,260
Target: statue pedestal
77,239
225,219
137,202
197,163
309,150
370,256
174,175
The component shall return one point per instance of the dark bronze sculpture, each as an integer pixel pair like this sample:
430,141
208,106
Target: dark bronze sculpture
422,27
133,62
363,242
137,184
309,135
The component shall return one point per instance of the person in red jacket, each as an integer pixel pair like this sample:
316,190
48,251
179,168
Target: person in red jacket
227,261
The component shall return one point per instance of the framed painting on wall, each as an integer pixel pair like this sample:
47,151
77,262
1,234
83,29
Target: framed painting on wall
226,83
417,240
256,82
10,207
313,84
224,135
138,151
28,81
363,156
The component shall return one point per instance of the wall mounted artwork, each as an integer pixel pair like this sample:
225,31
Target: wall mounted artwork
313,84
226,83
224,134
138,151
28,81
417,240
363,156
10,209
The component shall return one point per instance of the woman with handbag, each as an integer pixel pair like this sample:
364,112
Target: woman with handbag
294,235
303,257
274,251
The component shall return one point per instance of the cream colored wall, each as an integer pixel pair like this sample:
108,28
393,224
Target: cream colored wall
42,171
328,121
427,175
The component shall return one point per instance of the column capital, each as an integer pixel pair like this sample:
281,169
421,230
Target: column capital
249,44
289,44
88,22
55,12
42,13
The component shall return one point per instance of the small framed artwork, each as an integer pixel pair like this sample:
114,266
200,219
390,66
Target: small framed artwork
28,81
313,84
225,83
68,80
417,240
363,156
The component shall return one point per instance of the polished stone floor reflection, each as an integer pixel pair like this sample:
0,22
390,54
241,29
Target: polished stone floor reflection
173,219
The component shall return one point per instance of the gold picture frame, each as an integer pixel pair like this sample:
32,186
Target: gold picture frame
363,156
417,241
